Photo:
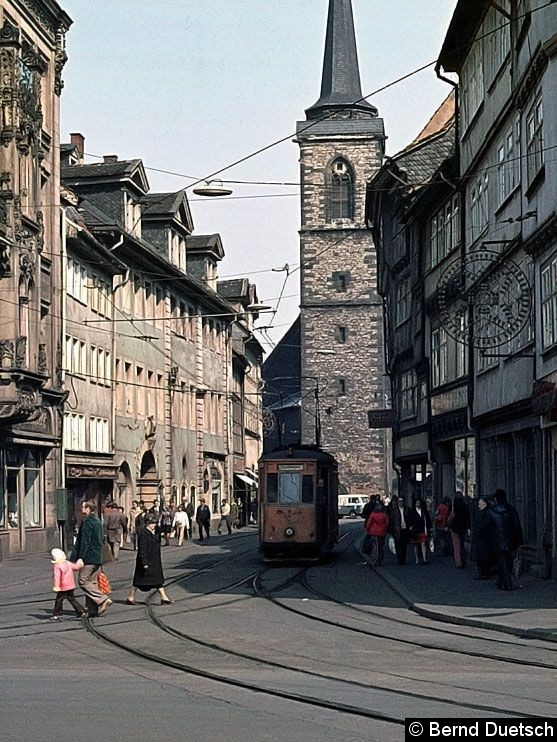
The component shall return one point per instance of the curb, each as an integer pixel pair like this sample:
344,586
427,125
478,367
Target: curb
451,618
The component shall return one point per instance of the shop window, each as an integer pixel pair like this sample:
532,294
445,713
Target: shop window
21,491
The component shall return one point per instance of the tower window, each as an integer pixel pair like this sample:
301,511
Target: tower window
342,387
341,334
341,202
340,281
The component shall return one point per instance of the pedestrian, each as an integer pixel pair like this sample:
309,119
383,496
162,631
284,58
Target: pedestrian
181,524
64,584
165,523
377,526
203,518
115,525
368,509
254,511
482,552
459,524
148,574
241,512
190,510
441,529
420,530
400,528
507,537
234,514
88,547
135,511
224,517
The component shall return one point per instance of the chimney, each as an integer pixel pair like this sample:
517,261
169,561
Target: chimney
78,141
109,159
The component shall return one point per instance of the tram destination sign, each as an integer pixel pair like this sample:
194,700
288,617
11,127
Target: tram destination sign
381,418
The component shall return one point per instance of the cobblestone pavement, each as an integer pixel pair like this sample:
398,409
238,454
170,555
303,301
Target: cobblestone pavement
335,632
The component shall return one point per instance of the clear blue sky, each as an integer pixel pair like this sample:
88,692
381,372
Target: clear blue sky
192,85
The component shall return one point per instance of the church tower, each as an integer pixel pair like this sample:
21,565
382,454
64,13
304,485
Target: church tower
342,360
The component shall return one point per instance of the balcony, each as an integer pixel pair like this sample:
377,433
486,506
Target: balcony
20,387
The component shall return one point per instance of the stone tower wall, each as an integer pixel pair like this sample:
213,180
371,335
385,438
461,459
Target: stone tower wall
327,250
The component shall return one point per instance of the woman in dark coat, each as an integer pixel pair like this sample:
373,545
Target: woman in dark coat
459,523
420,530
482,552
148,573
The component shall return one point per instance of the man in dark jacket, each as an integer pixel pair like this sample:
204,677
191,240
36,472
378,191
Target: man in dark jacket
507,537
399,523
203,519
190,510
88,547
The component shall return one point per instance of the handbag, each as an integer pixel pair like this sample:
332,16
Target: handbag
104,583
106,553
392,548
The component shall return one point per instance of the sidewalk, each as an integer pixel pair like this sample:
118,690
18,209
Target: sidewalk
444,593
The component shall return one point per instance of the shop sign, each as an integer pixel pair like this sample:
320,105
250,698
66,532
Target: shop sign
544,397
381,418
86,471
449,401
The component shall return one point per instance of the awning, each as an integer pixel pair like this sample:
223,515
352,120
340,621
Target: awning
248,480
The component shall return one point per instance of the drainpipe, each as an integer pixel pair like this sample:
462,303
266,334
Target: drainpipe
114,347
63,325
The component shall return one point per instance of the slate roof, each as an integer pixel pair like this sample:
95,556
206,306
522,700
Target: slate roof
340,83
95,217
162,203
200,241
99,170
234,288
420,161
66,147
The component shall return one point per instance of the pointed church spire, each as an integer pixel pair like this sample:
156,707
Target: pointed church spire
340,84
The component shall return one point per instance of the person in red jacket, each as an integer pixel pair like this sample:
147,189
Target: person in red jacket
377,526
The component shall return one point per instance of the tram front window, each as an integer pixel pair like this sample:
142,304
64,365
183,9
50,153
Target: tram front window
290,488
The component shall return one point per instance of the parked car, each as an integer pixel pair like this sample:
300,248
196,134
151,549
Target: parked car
350,505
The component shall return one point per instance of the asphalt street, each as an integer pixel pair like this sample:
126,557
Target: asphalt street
248,652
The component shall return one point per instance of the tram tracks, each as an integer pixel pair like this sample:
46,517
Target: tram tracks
385,696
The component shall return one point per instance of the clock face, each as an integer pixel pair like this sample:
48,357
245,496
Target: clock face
484,300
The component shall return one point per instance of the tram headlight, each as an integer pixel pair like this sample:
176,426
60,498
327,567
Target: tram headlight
289,532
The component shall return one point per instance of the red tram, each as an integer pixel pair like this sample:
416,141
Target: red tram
298,511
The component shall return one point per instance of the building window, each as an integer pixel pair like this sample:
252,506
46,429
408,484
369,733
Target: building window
479,206
498,38
341,205
444,232
508,163
75,361
403,301
100,293
342,387
74,431
534,138
76,281
100,371
99,435
549,303
132,215
472,83
341,334
408,394
21,489
439,356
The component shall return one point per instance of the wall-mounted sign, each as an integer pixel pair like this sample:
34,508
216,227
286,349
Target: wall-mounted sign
86,471
449,401
381,418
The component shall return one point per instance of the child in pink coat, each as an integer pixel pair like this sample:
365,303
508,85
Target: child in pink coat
64,584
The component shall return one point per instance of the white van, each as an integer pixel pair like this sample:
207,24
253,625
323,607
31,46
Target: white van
350,505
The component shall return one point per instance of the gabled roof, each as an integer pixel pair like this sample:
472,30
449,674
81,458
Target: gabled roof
235,288
210,244
131,170
164,206
464,24
340,83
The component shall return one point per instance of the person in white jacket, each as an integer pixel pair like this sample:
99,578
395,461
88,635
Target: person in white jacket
181,524
224,517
